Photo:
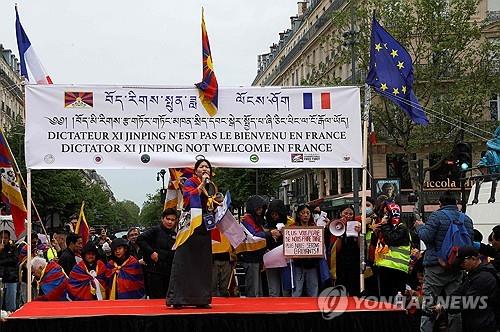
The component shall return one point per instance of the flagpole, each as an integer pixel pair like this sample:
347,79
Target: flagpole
28,231
363,194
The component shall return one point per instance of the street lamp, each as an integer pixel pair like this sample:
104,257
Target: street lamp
163,191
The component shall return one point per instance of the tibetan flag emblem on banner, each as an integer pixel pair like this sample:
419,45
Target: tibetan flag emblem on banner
317,101
78,99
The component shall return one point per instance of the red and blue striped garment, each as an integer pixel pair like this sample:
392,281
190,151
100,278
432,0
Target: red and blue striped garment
82,284
53,283
125,281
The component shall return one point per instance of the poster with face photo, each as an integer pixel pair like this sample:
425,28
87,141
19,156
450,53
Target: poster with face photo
387,187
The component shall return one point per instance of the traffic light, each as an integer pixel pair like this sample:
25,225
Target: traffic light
463,156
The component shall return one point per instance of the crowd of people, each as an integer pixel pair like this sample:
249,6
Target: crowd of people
189,269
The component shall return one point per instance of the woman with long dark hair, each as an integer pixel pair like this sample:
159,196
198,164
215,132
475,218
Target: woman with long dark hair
191,275
305,270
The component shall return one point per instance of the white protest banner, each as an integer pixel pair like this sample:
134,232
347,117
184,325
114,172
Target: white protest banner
303,242
71,126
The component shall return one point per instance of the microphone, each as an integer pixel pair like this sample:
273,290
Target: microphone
207,180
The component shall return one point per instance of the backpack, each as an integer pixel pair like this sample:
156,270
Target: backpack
456,237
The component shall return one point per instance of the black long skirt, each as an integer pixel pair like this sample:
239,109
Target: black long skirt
191,276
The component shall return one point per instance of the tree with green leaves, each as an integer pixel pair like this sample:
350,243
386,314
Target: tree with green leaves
456,71
243,182
61,192
127,213
151,210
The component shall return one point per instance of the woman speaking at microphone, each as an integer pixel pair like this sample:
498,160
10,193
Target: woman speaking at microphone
191,276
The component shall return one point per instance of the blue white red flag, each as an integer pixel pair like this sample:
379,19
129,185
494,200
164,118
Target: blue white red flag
29,59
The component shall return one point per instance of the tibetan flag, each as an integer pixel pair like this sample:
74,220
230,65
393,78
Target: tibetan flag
29,59
82,228
208,87
174,190
125,281
11,192
391,73
85,285
193,216
227,224
53,283
251,242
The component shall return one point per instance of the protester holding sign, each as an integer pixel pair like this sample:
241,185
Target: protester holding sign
305,270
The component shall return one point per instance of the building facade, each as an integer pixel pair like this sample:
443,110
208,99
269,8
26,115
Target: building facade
302,52
11,91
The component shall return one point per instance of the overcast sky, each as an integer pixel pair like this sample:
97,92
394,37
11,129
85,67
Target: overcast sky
151,42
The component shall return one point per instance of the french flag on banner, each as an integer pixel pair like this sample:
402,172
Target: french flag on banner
29,57
325,100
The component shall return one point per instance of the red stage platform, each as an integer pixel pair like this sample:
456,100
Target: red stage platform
226,314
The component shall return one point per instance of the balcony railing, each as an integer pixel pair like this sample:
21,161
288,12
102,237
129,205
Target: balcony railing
493,16
319,24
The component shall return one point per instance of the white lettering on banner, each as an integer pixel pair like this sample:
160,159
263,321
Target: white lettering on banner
151,127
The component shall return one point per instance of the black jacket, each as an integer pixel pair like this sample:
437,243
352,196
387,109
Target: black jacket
8,264
67,260
161,240
478,284
490,251
278,206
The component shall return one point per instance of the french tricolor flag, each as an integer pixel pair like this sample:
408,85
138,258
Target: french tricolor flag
325,101
29,59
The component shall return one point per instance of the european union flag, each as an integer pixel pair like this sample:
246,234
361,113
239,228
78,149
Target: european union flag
391,73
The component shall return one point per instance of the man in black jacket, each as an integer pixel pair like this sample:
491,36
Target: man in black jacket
8,270
474,293
156,244
74,246
492,250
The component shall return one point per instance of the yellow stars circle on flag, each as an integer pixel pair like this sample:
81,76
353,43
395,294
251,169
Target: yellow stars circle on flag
378,47
383,86
394,53
403,89
395,91
400,65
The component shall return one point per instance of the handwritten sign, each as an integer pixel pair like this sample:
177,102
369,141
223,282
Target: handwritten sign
303,242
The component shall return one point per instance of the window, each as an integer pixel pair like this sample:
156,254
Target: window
495,107
446,170
334,182
397,167
346,180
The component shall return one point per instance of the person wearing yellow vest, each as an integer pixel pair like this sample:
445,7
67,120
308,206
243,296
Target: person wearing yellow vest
392,254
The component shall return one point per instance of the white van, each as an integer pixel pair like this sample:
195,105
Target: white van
484,213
